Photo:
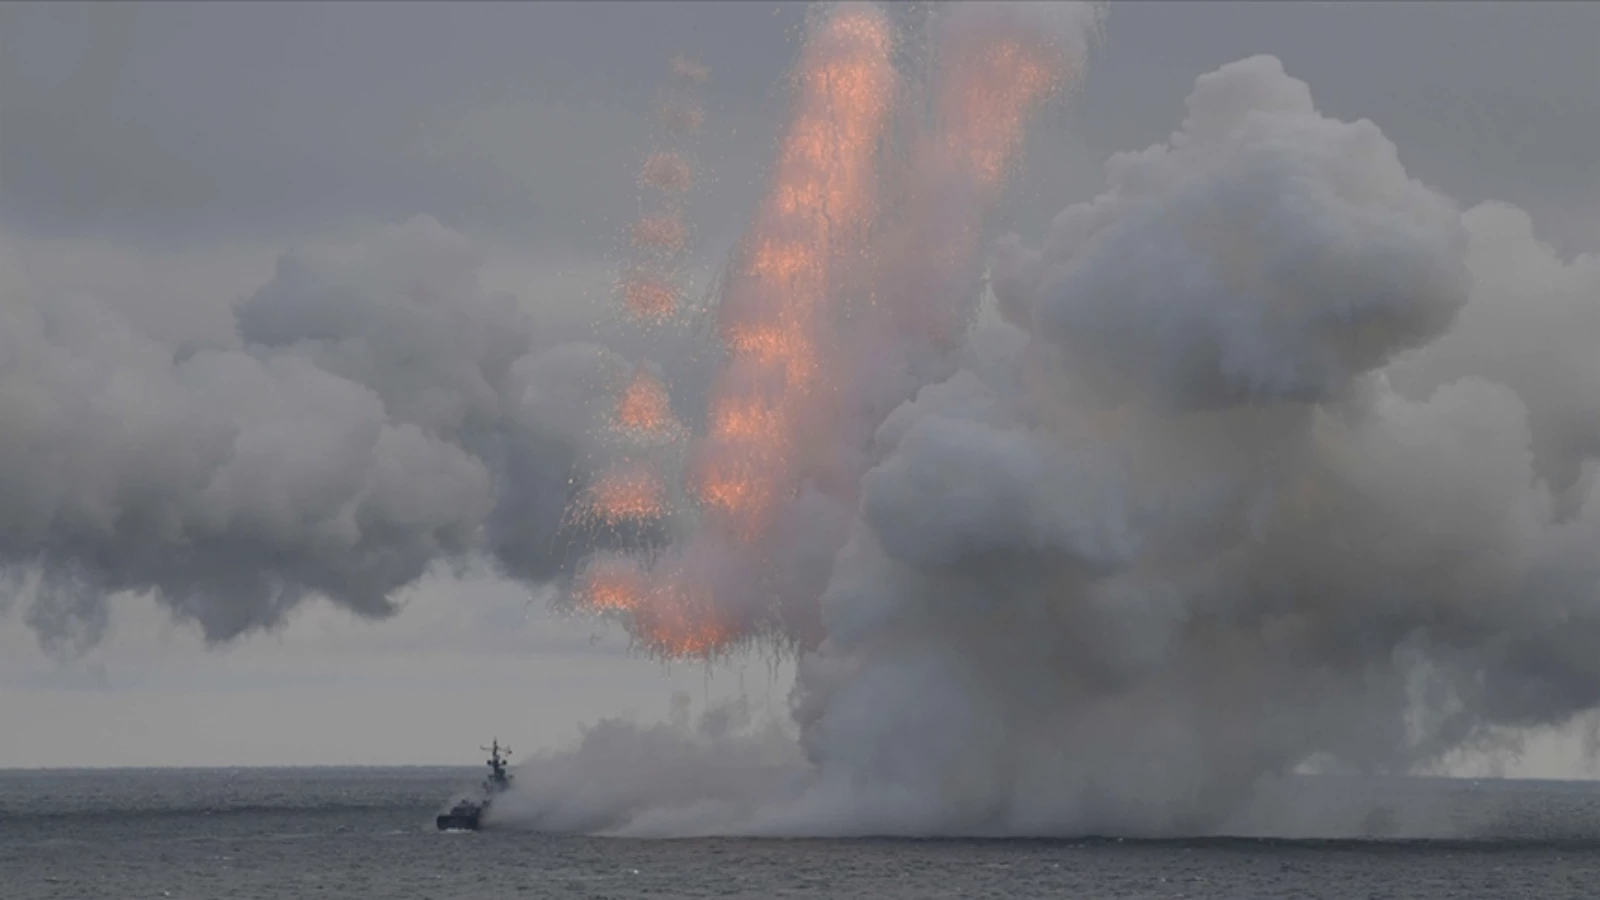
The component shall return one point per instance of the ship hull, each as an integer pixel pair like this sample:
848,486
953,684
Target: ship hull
468,811
457,821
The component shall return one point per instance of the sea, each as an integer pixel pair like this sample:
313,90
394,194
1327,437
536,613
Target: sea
293,834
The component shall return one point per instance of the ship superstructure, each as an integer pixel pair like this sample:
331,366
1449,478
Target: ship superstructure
467,814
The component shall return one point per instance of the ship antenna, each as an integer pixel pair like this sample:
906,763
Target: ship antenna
496,763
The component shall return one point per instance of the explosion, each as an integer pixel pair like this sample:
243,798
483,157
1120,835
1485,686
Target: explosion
668,616
662,233
678,621
645,408
1157,529
778,402
649,297
775,314
630,493
1268,457
611,585
658,237
991,87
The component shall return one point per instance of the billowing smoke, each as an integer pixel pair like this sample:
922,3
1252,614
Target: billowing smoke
378,413
1528,328
1267,458
681,776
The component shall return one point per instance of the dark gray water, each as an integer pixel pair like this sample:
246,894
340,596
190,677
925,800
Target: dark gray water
367,833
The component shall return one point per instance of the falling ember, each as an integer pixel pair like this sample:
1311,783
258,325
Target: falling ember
746,419
664,233
666,172
611,584
658,236
685,69
681,117
645,407
631,494
821,194
740,498
684,633
990,82
990,89
775,349
783,260
650,298
678,620
815,242
664,614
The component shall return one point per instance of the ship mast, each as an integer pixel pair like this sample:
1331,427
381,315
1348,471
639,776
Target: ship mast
497,763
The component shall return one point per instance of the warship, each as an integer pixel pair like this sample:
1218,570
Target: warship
468,813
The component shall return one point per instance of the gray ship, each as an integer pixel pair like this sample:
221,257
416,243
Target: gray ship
468,813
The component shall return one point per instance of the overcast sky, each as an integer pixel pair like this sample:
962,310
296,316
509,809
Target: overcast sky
165,155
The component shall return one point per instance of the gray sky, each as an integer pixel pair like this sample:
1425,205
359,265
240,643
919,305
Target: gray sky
165,155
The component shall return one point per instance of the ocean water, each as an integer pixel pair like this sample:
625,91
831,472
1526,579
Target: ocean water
277,834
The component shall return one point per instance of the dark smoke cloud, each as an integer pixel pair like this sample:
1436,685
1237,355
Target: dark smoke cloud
380,412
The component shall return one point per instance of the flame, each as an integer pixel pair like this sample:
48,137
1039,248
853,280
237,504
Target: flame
668,616
778,347
611,584
746,419
663,232
988,87
627,494
658,235
821,192
680,616
649,297
677,625
645,407
807,245
783,260
991,87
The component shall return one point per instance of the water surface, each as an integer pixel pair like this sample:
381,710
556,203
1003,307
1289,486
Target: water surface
277,834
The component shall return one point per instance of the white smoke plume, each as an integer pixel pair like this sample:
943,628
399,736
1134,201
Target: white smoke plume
1529,327
378,413
1277,459
1268,457
681,776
